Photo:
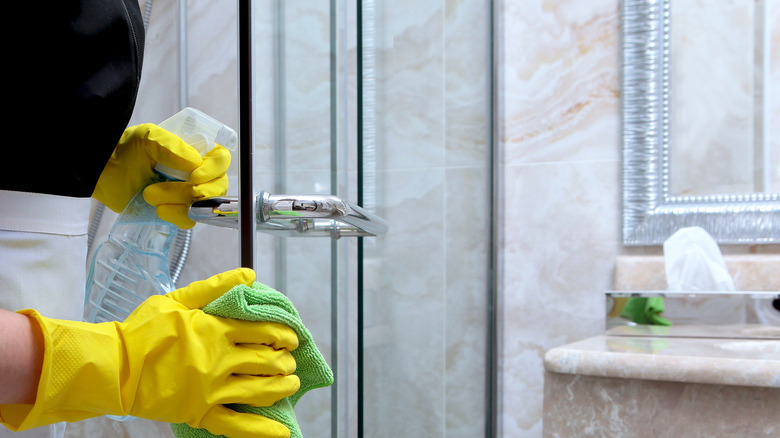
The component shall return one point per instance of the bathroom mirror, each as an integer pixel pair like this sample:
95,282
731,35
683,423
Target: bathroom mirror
665,120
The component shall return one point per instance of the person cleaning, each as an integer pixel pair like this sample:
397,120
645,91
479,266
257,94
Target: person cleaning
72,73
168,361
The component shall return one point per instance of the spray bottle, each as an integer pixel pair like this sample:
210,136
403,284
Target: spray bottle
133,263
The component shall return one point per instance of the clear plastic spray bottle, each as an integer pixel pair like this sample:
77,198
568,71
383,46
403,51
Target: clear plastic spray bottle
132,264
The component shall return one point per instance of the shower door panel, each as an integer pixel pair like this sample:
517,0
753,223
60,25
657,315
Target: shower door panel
302,120
387,104
426,149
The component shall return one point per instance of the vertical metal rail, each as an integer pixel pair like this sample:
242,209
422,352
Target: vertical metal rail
366,164
246,194
493,333
180,247
183,61
280,134
334,245
360,319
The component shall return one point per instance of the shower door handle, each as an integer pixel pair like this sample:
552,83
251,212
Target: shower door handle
294,215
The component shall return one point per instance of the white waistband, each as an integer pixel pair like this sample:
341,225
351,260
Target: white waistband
41,213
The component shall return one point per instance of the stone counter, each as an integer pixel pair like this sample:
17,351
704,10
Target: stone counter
653,386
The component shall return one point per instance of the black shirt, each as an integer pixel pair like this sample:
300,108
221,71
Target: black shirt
72,71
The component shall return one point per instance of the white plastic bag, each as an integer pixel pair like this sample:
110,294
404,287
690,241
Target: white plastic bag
694,263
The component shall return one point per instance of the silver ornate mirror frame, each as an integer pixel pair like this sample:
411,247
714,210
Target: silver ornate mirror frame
650,213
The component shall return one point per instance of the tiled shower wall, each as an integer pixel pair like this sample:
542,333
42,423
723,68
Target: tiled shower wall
560,139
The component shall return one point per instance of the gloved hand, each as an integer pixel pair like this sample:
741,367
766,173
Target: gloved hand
131,167
168,361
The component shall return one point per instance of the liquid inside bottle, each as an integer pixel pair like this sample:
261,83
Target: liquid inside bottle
131,265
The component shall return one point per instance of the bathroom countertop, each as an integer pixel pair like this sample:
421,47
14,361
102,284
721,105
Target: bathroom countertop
741,362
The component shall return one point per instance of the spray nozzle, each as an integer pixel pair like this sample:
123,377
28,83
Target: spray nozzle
200,131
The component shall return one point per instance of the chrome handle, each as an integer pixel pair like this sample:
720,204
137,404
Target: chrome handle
294,215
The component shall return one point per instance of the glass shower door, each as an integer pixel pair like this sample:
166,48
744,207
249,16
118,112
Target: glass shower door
426,288
386,104
304,128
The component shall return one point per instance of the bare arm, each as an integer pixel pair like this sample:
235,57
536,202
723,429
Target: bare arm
21,358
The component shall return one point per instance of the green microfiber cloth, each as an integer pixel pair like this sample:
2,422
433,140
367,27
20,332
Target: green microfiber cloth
262,303
645,310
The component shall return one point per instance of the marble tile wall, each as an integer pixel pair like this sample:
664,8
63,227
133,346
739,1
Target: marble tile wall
559,67
560,135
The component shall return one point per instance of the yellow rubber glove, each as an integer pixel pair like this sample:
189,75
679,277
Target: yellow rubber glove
172,199
165,362
131,167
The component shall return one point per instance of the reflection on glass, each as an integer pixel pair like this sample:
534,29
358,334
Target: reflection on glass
746,315
725,111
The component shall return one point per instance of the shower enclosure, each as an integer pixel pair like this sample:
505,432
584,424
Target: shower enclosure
387,104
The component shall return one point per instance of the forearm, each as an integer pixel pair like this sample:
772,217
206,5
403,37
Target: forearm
21,358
